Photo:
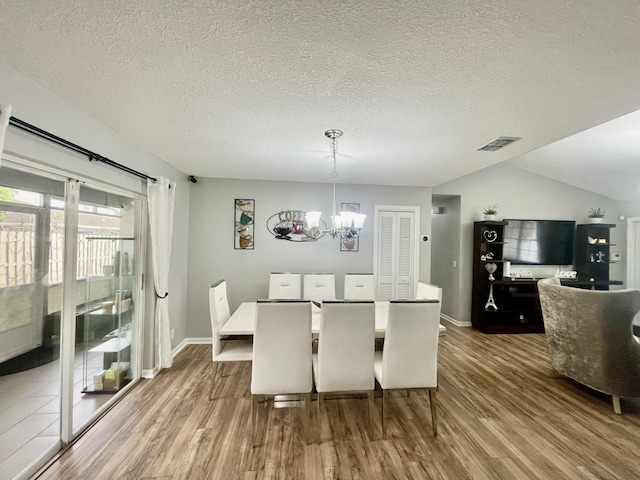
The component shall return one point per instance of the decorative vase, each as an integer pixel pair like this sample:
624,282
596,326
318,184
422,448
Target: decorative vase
595,219
489,217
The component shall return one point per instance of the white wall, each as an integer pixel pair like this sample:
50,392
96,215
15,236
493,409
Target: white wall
40,107
211,247
520,194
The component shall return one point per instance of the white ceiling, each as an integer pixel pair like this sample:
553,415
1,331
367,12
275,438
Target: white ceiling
246,89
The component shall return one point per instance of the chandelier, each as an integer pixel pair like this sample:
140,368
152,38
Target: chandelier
347,225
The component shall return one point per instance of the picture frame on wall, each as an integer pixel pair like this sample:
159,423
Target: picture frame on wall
244,215
350,243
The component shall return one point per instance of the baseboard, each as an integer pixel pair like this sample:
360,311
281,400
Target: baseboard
149,373
455,322
198,341
152,372
178,348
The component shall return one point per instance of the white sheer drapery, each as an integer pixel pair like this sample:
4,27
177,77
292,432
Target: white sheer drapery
161,197
5,114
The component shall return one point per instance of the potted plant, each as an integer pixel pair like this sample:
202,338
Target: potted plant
490,212
596,215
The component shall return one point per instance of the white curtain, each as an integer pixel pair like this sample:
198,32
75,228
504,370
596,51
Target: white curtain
161,196
5,114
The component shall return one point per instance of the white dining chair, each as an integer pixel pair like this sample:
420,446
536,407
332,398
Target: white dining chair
409,359
281,355
344,362
223,350
319,286
427,291
284,285
359,286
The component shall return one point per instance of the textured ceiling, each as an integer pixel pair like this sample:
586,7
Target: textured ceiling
245,89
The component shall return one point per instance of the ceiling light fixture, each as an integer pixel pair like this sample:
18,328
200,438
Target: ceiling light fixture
347,225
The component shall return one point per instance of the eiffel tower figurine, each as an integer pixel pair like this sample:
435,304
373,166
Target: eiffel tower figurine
491,306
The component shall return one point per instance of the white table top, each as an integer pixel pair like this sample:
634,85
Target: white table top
242,322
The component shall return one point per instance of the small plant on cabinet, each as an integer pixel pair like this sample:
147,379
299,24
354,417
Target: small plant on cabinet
595,215
490,212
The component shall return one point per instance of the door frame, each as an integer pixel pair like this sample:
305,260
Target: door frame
633,258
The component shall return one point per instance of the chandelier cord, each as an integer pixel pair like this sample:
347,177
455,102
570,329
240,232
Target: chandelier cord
334,177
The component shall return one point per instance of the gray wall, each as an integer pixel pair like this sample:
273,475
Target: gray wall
445,250
212,256
38,106
520,194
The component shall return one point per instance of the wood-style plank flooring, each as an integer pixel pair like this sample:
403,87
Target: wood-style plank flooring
503,413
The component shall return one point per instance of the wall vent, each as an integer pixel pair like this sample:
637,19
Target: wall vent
498,143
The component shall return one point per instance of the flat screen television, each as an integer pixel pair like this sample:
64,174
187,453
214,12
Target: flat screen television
539,242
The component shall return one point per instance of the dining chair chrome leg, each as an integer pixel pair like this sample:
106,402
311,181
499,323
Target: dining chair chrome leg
370,407
385,400
307,417
254,418
214,376
433,402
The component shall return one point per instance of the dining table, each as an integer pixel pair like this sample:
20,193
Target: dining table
243,320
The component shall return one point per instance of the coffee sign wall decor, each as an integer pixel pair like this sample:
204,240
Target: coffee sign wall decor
244,209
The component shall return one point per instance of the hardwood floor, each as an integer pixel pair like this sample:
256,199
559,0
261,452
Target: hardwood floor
503,413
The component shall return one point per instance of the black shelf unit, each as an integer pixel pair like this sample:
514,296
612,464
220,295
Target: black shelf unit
593,256
518,307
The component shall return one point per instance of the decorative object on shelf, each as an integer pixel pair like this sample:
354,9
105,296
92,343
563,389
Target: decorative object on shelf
347,224
491,267
596,215
244,220
591,240
486,256
351,241
491,306
291,225
490,235
490,212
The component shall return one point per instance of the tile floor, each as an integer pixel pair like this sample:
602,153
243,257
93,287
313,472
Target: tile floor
30,411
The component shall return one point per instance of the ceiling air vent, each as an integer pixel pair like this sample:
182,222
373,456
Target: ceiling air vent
498,143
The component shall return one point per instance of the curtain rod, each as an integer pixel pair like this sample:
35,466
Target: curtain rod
93,157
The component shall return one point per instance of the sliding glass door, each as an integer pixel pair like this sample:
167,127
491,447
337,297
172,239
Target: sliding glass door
70,287
30,299
106,333
20,291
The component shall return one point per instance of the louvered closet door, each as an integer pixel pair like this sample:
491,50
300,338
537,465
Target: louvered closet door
396,254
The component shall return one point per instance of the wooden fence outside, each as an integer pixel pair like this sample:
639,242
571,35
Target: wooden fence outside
17,257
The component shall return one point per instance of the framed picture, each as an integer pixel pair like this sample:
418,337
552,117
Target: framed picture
351,242
244,212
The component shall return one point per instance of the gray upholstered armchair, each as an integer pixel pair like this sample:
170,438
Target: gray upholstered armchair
590,337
